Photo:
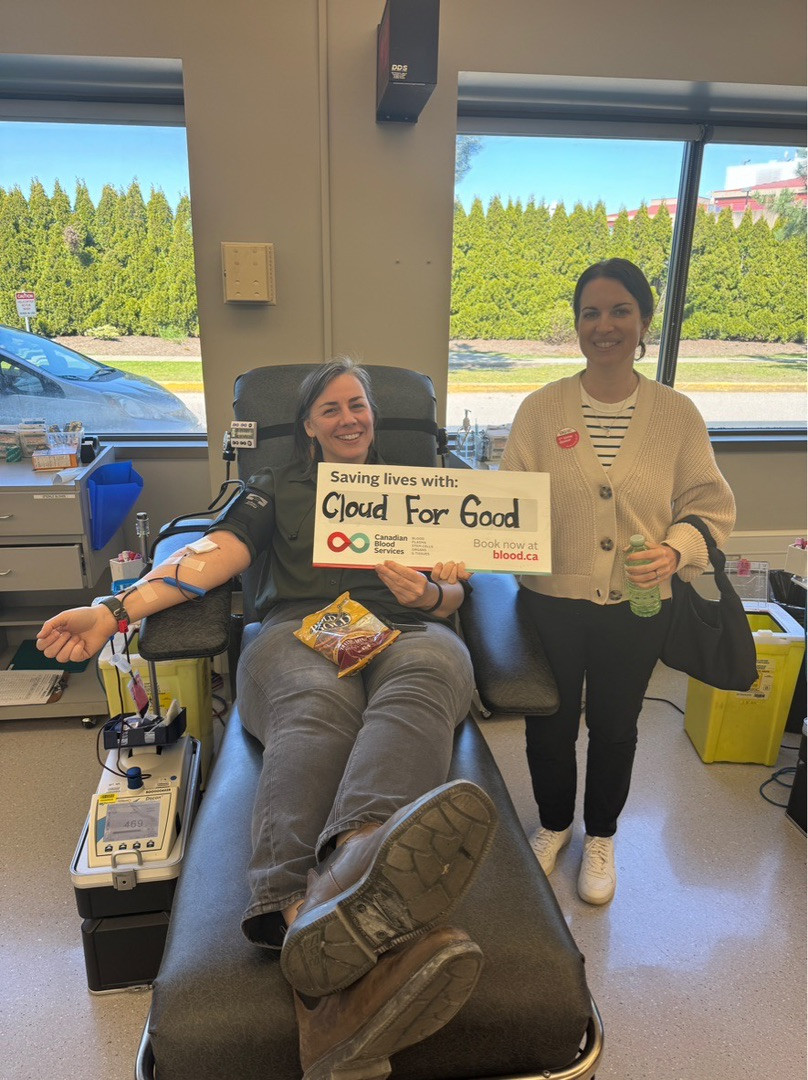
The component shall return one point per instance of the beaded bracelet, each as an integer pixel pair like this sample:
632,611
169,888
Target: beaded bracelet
437,603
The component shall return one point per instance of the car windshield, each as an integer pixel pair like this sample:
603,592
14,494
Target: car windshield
50,358
45,381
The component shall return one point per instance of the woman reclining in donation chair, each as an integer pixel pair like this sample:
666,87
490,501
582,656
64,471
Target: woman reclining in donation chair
361,850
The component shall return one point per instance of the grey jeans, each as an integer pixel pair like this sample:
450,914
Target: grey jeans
339,753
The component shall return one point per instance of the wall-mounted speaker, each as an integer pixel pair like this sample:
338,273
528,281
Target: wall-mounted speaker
406,59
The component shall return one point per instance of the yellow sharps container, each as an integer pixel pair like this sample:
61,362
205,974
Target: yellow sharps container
726,725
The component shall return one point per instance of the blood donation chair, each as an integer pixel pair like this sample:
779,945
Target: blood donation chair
221,1008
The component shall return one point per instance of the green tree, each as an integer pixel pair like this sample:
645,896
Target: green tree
467,276
713,284
174,301
60,288
105,215
622,246
84,211
16,253
466,146
60,205
791,257
153,252
121,283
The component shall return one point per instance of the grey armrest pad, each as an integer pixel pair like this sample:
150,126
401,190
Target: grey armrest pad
194,629
511,670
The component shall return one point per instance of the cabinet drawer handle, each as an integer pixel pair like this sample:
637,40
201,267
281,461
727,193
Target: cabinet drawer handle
6,517
4,573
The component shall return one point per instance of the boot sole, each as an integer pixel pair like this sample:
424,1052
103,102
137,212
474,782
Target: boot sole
419,874
429,999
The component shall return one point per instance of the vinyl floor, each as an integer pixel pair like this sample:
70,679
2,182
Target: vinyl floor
698,966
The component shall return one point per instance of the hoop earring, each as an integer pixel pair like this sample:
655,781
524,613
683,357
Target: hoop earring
641,347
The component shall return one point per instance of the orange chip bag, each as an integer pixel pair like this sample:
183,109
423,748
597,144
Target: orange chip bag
346,633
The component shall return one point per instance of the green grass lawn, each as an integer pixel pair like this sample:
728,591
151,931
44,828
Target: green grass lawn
771,374
174,375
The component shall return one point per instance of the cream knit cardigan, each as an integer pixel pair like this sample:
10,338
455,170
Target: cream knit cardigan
665,469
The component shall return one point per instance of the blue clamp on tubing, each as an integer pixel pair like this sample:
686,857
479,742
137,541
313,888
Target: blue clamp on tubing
184,586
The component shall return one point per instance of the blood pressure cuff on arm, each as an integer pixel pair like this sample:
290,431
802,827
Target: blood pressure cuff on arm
250,516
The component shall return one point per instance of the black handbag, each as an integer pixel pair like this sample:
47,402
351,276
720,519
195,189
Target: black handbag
710,640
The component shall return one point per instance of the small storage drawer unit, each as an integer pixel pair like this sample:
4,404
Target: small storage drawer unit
43,567
40,513
45,529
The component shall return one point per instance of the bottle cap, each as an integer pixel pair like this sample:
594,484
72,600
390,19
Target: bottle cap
636,540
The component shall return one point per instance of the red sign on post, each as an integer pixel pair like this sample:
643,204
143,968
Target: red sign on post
26,304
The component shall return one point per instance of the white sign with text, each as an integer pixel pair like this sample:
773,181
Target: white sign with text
26,304
490,520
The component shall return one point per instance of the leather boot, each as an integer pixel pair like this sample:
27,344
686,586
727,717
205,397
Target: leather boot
411,993
386,885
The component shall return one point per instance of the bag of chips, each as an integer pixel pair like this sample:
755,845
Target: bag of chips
346,633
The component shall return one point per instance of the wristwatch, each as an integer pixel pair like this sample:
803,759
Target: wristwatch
118,610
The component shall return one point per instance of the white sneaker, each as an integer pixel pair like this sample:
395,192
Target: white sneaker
598,877
546,845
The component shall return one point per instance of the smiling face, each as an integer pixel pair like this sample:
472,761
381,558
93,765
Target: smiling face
610,325
341,421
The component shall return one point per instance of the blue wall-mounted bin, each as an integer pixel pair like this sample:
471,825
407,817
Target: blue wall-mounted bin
113,490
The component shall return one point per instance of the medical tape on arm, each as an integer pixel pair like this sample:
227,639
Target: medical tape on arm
203,545
182,557
146,590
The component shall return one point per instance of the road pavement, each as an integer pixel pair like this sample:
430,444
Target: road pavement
498,409
730,406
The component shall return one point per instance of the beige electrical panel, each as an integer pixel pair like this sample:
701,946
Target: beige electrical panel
249,272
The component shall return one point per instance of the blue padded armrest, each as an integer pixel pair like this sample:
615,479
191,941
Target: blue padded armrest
510,668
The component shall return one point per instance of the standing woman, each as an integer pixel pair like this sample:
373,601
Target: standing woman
625,455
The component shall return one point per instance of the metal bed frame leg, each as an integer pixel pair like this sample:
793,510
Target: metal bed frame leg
583,1068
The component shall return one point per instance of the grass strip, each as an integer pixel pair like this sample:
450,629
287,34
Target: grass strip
754,375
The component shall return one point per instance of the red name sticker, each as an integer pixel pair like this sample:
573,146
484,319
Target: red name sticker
567,438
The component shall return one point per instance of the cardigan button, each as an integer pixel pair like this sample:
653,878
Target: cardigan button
607,543
605,492
615,594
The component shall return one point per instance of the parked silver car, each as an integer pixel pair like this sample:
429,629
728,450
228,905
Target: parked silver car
40,378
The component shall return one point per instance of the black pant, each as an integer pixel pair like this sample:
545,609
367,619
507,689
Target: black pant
616,651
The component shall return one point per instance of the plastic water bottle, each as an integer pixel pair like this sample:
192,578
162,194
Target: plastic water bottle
643,602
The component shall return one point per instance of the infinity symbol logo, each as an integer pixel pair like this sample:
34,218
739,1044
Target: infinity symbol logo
338,541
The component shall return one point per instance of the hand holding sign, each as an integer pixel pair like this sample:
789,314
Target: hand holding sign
411,588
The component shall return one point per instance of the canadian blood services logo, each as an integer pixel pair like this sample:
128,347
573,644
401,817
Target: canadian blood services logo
338,541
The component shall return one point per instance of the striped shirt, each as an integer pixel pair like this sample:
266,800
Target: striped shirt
606,424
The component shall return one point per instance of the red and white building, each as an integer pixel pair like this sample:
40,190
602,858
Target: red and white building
738,199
